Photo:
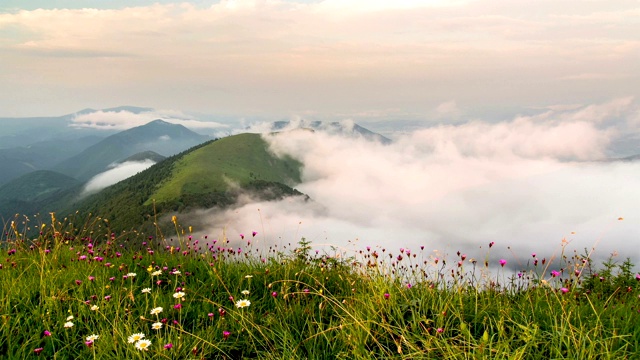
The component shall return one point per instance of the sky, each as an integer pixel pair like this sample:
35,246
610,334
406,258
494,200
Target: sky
366,60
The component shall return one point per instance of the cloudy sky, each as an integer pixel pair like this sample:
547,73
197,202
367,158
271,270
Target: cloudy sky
431,60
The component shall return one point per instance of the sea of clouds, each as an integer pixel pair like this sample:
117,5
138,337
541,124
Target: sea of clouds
530,184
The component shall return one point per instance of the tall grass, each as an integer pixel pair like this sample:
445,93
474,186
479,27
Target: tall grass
303,304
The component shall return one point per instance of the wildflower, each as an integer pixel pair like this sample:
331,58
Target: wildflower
168,346
68,324
221,312
156,326
254,233
503,262
245,292
108,297
92,337
555,273
440,330
156,311
638,277
179,295
78,282
156,273
143,344
248,276
91,278
94,308
274,294
243,303
177,306
146,290
135,337
38,350
176,272
409,286
132,274
386,295
70,317
564,290
88,343
491,244
225,334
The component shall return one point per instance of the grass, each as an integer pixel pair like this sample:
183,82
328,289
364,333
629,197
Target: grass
214,167
304,304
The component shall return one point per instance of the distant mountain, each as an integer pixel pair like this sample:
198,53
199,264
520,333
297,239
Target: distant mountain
158,136
213,174
29,193
145,155
345,128
41,155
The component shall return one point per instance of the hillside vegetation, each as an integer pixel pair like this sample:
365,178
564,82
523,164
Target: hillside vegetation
90,291
198,178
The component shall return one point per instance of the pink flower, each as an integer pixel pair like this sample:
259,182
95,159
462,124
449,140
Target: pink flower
440,330
564,290
168,346
274,294
503,262
177,306
47,333
386,295
554,273
225,334
38,351
254,233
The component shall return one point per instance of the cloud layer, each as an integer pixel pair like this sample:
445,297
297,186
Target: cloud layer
116,174
274,57
525,184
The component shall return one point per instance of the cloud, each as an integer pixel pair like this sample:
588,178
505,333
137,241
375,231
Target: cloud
122,120
325,57
116,174
525,184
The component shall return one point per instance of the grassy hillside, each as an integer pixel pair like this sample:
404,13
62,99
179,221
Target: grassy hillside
197,178
85,291
238,159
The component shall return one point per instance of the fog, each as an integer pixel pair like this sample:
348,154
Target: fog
116,173
525,184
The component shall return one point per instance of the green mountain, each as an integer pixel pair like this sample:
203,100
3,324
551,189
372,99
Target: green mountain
145,155
34,192
157,136
213,174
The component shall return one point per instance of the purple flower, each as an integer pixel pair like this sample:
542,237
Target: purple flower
564,290
386,295
168,346
274,294
78,282
638,277
242,236
47,333
88,343
254,233
491,244
38,350
177,306
440,330
503,262
554,273
225,334
409,286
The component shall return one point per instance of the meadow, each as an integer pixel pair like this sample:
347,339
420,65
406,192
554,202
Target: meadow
76,288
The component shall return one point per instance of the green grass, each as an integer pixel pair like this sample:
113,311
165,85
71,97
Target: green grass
304,305
237,159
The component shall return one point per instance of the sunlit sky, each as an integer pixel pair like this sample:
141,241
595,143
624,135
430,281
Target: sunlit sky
360,59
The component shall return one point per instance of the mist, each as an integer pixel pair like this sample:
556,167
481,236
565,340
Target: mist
529,185
114,175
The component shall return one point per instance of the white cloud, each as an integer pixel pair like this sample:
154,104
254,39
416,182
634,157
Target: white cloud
114,175
525,184
121,120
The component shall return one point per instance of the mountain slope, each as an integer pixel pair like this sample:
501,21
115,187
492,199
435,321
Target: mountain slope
213,174
29,193
158,136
